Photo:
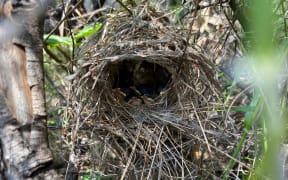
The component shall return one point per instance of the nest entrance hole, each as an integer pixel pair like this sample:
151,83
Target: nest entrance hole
138,78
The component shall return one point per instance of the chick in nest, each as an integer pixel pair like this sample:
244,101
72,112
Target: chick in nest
143,74
135,101
144,79
119,94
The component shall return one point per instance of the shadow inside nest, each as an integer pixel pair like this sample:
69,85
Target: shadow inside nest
138,81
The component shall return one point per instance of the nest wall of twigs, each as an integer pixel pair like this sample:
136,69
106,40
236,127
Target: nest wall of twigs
143,102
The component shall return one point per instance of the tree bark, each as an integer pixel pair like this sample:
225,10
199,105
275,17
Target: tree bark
23,131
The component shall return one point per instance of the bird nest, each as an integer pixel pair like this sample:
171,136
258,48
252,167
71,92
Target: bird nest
145,103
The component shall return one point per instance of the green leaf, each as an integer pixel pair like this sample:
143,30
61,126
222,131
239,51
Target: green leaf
55,40
250,116
86,177
51,122
243,108
88,31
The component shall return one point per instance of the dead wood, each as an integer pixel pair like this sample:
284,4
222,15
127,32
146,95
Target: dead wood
23,131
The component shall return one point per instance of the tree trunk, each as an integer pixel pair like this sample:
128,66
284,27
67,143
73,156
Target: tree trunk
23,131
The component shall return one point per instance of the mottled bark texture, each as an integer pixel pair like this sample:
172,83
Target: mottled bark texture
23,132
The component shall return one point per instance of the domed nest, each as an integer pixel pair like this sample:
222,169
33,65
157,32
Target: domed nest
145,102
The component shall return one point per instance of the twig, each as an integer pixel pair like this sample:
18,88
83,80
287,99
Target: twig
71,34
132,153
156,148
62,20
188,38
125,7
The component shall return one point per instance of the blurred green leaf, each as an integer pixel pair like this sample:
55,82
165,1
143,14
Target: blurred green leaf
243,108
51,122
55,40
86,177
251,116
88,31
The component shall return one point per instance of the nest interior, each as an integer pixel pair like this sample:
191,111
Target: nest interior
144,104
136,79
